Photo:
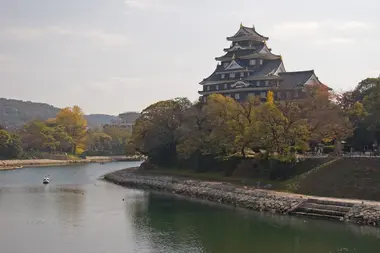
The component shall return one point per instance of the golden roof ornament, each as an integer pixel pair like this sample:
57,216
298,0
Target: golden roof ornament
241,24
233,57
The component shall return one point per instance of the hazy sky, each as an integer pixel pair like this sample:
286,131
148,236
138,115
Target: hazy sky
110,56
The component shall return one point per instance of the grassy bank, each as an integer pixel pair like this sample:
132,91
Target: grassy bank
339,177
215,177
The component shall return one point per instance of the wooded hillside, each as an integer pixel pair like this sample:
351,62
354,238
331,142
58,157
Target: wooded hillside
16,113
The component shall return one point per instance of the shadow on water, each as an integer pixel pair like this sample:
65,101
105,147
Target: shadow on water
173,221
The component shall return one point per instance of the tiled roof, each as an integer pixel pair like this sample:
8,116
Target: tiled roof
240,53
266,69
293,79
250,32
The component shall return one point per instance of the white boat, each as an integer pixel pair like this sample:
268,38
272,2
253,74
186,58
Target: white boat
46,180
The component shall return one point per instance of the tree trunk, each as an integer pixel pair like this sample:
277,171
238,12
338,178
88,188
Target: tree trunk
243,152
338,146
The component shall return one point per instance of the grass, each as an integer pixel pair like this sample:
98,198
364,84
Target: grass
215,176
293,184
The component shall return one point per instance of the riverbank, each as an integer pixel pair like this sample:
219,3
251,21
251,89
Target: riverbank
360,212
16,164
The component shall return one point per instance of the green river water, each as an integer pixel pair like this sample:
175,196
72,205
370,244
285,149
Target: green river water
78,213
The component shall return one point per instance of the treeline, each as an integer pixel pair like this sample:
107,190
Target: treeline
67,133
175,131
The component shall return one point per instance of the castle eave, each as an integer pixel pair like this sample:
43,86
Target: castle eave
237,90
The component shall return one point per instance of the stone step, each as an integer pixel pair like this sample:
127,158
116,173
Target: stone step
318,216
320,211
329,202
344,209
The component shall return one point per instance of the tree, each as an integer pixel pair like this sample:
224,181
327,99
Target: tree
326,118
14,149
36,135
362,107
75,125
99,142
120,136
270,97
155,133
10,145
5,139
279,134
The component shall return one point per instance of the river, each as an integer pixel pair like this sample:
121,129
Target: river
78,213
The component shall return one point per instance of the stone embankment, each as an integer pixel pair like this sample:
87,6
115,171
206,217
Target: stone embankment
255,199
213,191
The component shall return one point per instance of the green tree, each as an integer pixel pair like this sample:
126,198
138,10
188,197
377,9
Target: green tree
14,149
5,139
99,142
10,145
155,133
120,136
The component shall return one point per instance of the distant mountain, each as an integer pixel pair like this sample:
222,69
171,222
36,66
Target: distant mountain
15,113
94,120
129,117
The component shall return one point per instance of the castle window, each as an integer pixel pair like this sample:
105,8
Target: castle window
252,62
296,94
241,74
237,96
266,83
288,96
223,76
207,87
261,61
257,83
232,75
263,94
251,94
278,94
217,87
225,86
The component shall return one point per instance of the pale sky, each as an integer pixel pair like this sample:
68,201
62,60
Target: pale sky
111,56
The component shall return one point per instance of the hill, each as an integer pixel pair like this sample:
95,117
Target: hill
129,117
15,113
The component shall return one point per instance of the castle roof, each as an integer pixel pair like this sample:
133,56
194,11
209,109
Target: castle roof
247,33
291,80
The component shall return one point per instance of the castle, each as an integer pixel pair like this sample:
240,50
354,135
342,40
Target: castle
249,67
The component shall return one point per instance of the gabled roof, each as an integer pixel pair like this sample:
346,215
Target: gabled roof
269,68
247,33
295,79
234,65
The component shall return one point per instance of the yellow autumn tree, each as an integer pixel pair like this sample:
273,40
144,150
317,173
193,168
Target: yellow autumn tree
270,97
75,125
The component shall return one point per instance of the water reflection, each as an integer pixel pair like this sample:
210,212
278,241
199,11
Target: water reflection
175,222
